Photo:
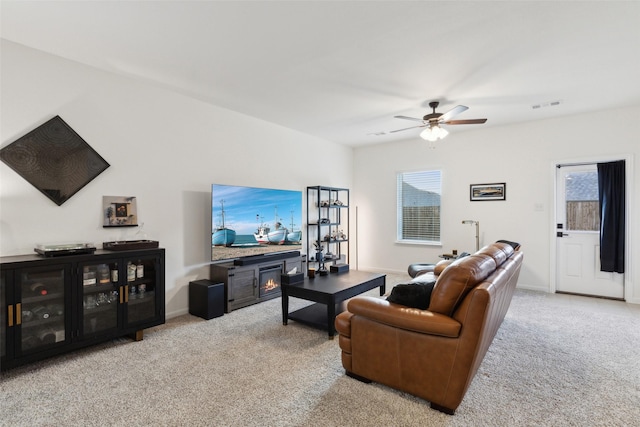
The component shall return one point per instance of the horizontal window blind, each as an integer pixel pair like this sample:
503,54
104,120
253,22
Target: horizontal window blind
418,206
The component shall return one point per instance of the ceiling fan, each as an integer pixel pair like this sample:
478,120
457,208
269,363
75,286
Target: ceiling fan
433,121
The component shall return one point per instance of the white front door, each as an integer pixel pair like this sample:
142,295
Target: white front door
578,235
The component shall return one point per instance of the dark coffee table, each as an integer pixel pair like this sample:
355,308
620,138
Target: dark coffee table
330,294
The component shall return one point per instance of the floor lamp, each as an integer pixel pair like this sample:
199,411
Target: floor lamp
477,224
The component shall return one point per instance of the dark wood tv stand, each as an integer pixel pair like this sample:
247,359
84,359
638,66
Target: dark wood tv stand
242,283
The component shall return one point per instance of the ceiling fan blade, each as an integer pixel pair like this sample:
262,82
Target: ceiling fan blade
412,127
465,122
453,112
408,118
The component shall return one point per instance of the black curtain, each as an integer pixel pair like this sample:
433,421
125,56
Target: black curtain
611,193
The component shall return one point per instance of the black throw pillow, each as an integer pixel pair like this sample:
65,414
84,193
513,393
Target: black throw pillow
415,295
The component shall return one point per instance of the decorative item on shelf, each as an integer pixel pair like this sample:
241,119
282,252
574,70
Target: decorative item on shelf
322,271
120,211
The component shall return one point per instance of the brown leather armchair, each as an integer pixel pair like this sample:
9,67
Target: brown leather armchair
435,353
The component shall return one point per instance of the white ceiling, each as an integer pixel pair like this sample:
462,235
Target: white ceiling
340,70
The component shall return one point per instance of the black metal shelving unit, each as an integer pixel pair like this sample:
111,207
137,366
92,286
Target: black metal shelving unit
328,223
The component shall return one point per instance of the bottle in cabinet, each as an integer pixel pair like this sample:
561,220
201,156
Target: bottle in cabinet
114,272
41,312
140,270
39,289
131,272
103,274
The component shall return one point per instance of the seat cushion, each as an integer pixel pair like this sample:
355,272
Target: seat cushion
414,295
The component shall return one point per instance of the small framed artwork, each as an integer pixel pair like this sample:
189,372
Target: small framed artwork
119,211
496,191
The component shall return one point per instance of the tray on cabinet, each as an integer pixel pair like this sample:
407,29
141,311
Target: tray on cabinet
125,245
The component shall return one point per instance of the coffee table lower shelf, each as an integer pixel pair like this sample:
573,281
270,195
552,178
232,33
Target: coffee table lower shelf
315,315
330,294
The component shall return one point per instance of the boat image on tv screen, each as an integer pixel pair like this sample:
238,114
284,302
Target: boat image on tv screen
248,221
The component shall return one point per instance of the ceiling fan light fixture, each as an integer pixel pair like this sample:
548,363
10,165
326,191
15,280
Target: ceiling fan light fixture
433,133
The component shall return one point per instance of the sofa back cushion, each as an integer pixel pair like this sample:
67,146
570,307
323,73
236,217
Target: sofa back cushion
458,279
499,251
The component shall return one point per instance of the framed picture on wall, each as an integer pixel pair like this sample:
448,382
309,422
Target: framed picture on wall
119,211
480,192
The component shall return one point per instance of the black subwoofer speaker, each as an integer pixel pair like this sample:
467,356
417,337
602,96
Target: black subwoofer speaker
206,299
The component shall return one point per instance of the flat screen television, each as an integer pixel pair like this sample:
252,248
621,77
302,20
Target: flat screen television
250,221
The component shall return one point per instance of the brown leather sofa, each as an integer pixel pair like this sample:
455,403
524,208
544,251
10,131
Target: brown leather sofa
435,353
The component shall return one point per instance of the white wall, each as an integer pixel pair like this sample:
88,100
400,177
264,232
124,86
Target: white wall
167,149
522,156
164,148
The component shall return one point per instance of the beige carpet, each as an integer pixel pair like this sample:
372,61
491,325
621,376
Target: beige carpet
557,360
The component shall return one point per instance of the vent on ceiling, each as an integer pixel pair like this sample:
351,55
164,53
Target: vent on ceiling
545,104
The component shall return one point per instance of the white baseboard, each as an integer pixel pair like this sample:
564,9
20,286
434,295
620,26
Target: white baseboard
532,288
176,313
634,301
383,271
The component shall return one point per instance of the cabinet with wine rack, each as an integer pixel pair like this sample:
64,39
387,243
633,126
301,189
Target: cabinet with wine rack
54,305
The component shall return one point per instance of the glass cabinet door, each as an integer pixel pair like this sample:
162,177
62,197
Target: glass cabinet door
42,308
140,279
100,297
7,318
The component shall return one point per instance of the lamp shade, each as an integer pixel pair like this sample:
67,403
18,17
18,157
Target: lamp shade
433,133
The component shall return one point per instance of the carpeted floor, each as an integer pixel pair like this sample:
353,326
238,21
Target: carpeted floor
557,360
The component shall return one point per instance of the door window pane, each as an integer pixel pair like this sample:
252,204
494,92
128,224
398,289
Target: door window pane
583,211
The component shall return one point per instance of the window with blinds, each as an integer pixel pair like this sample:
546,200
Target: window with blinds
418,206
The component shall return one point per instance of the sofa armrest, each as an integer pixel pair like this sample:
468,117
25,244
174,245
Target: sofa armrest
343,323
399,316
441,265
